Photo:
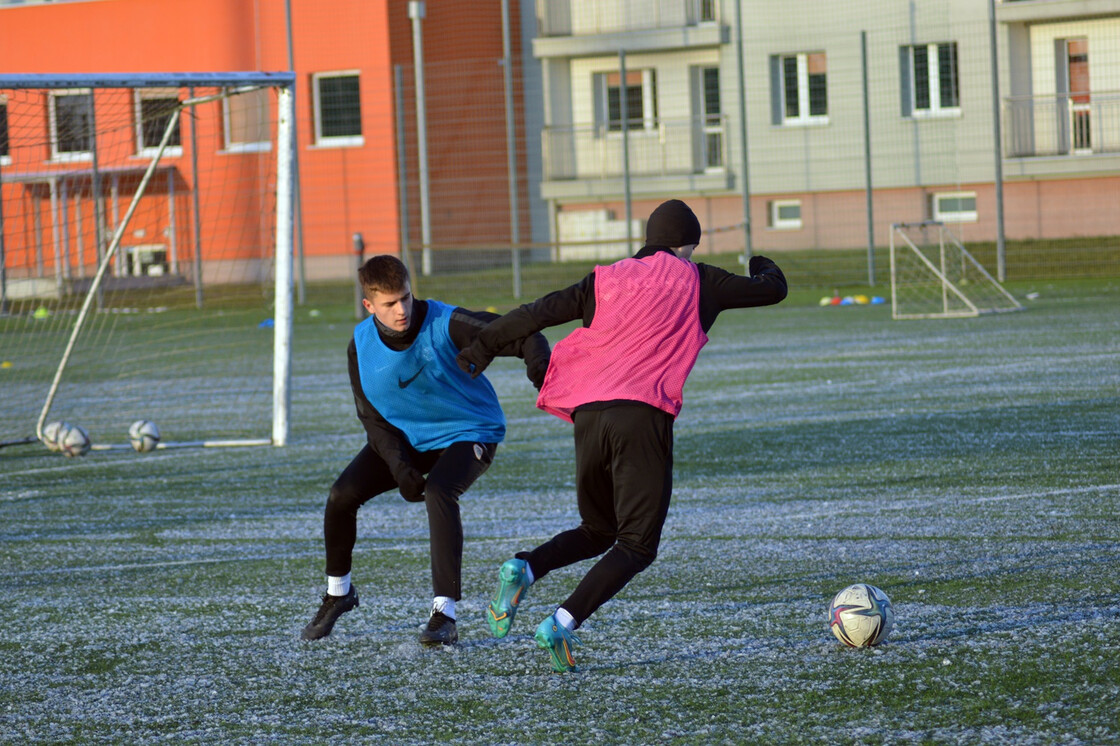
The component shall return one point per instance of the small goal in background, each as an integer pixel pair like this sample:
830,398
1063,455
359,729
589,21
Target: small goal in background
934,276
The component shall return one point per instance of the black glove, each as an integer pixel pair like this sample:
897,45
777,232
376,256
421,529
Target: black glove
473,360
757,264
411,484
536,374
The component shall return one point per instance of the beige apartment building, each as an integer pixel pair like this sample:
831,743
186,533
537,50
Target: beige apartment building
857,115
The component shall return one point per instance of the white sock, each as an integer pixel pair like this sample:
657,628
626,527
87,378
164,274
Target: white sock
565,619
444,605
337,586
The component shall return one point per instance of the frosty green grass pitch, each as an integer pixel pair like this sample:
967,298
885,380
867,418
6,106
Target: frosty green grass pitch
966,467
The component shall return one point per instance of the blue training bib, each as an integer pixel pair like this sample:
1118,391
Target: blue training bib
422,391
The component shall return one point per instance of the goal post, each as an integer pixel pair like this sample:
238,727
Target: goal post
282,328
146,255
934,276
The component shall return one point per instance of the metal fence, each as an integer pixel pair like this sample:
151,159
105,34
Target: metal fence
801,130
667,146
1068,124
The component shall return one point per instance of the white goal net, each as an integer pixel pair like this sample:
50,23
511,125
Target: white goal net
934,276
145,256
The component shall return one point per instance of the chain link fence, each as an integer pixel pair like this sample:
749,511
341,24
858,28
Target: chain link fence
858,117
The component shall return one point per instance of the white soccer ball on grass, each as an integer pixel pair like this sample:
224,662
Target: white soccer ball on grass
143,435
51,432
861,616
74,441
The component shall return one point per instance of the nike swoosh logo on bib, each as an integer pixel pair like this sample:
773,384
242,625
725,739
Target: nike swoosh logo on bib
404,384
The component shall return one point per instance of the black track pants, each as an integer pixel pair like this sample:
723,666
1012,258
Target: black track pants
624,478
451,471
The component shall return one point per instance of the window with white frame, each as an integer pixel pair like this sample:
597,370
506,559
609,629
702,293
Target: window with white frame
154,108
954,207
785,214
930,80
5,148
336,98
799,88
245,119
640,94
71,125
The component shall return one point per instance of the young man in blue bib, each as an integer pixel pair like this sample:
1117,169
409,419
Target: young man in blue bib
431,431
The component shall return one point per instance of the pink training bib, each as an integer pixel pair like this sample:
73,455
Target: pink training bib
641,344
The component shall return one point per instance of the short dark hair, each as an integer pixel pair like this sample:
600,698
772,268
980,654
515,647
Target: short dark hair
383,273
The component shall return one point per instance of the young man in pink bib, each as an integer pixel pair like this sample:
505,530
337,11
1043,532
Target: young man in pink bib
619,379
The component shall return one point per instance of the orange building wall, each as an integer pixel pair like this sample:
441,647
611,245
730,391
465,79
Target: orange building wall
39,219
128,36
353,189
344,190
117,36
465,105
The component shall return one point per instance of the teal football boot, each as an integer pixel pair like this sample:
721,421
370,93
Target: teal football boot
513,577
558,640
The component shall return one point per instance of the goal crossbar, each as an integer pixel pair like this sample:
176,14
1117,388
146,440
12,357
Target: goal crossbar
146,80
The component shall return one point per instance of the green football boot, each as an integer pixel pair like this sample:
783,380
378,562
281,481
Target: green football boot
558,641
513,577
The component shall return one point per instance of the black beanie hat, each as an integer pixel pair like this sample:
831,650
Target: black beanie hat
672,224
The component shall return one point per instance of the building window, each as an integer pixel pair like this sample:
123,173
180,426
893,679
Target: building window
641,100
712,118
5,152
785,214
954,207
1076,82
799,88
245,119
154,109
930,80
71,123
338,110
706,10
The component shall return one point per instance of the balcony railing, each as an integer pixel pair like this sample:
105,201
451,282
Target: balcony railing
1069,124
580,17
669,147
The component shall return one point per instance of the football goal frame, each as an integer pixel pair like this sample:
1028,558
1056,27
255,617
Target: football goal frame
935,276
221,85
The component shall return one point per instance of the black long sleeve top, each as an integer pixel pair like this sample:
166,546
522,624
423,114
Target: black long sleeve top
720,290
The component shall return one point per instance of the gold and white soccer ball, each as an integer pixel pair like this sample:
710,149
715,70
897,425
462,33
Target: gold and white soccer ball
73,441
143,435
861,616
